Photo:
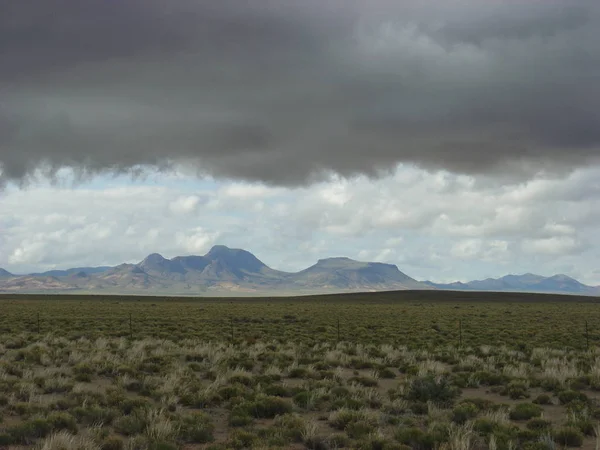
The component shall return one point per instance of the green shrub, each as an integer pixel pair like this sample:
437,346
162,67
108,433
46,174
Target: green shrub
196,367
244,380
460,380
291,426
359,429
539,424
386,373
582,423
128,405
377,443
415,438
528,435
569,396
94,414
318,442
196,429
338,440
364,381
24,409
480,403
490,378
6,438
463,412
356,363
483,425
277,390
267,407
341,419
298,372
419,408
240,417
231,391
525,411
517,390
340,392
83,368
139,442
303,399
543,399
569,436
243,439
550,385
428,388
200,400
82,377
113,443
130,425
62,421
349,403
30,430
581,383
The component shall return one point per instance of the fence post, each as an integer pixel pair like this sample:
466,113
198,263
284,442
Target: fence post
587,336
232,331
130,327
38,323
460,332
338,329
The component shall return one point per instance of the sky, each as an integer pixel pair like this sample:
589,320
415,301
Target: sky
457,140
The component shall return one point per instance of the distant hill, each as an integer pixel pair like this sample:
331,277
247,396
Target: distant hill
31,283
221,270
64,273
345,273
229,271
523,283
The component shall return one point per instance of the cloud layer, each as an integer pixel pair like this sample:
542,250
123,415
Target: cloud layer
443,227
284,92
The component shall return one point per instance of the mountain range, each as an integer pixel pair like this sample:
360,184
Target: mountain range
227,271
222,271
528,282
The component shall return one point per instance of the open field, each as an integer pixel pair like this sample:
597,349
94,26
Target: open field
423,370
414,318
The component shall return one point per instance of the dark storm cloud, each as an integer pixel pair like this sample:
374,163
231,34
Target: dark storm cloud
283,91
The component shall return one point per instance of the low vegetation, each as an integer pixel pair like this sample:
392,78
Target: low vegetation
264,383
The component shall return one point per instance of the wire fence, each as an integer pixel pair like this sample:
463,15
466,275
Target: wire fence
290,328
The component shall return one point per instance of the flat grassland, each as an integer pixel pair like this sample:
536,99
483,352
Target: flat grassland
414,318
398,370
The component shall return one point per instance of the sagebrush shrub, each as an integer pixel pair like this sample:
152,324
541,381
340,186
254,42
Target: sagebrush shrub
525,411
462,413
569,436
196,429
429,388
570,396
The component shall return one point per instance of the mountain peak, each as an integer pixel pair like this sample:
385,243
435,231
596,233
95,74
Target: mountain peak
336,258
343,262
157,263
220,249
80,274
5,273
154,258
562,277
235,259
